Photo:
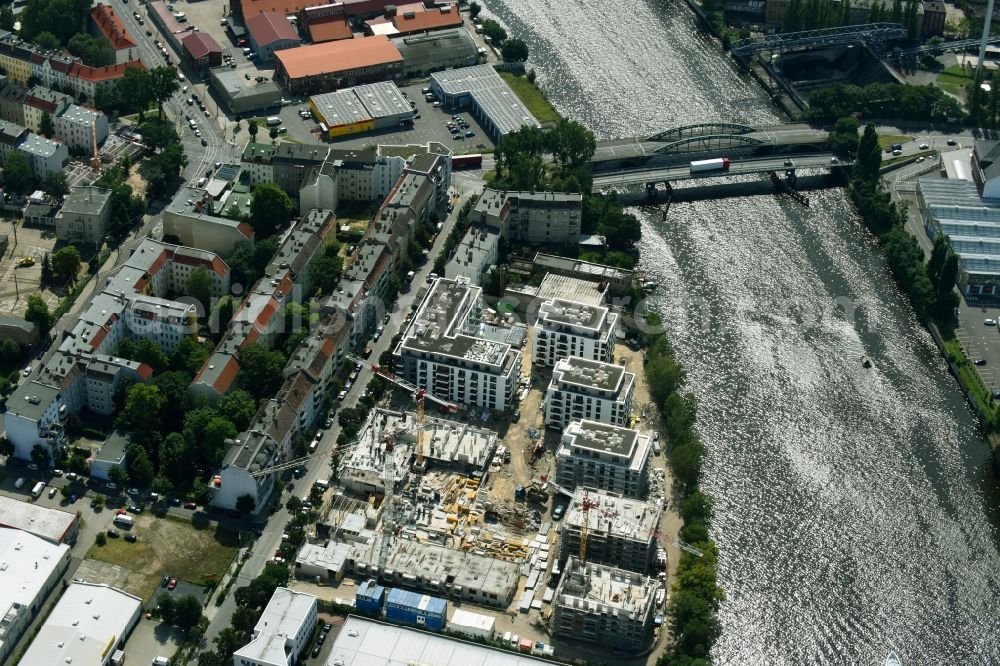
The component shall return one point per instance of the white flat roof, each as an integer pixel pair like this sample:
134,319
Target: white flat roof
26,564
49,524
285,613
80,628
363,642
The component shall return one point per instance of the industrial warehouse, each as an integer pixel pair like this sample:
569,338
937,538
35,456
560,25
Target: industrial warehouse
363,108
481,90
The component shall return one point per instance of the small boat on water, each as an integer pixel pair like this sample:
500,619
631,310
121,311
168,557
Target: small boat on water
866,362
892,660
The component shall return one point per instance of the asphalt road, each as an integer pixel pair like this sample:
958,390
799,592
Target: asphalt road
737,166
318,468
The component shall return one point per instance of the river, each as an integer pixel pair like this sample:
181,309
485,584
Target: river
854,509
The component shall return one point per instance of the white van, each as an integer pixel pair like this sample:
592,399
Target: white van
161,661
273,121
201,182
37,491
124,521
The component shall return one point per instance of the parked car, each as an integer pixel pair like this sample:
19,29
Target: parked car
190,505
19,482
111,485
114,534
557,511
134,508
131,538
165,581
516,416
990,322
980,361
72,476
172,584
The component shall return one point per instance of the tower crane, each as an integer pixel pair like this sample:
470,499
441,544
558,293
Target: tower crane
587,502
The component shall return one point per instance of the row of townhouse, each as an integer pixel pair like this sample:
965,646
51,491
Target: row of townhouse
261,316
294,411
44,155
84,371
24,61
75,125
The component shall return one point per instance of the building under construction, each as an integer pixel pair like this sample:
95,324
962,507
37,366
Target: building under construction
620,531
467,575
595,603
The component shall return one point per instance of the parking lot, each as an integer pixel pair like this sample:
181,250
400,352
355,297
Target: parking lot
430,126
20,282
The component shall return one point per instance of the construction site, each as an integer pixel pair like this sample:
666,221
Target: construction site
462,511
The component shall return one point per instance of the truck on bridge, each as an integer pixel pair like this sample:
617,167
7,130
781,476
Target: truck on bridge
719,163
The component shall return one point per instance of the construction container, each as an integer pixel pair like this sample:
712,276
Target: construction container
419,610
475,625
369,597
525,645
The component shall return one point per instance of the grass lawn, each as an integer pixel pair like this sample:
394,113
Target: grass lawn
886,140
532,97
969,378
168,546
907,158
953,80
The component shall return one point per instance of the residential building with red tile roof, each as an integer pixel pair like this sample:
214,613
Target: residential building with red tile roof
201,50
329,29
108,24
83,371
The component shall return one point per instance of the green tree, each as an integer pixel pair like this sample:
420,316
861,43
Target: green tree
46,269
47,40
173,385
571,143
101,539
95,51
140,468
938,256
162,486
199,286
494,31
163,83
474,9
244,620
6,17
56,184
64,18
514,50
66,263
238,407
325,272
38,314
40,456
158,133
869,159
189,356
143,403
46,125
214,447
166,607
10,351
270,209
252,129
118,476
175,461
17,175
844,137
148,352
260,371
187,613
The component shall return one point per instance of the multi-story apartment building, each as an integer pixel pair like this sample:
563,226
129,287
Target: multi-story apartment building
449,350
537,218
84,215
583,389
106,23
621,532
608,457
41,101
565,328
80,127
84,372
45,155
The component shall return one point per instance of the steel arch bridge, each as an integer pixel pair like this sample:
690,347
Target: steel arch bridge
875,35
709,143
700,129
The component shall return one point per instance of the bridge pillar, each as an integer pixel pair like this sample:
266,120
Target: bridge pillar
651,191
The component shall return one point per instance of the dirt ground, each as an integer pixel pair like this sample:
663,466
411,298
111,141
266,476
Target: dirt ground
167,546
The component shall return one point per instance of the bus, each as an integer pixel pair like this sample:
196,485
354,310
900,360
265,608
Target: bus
471,161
